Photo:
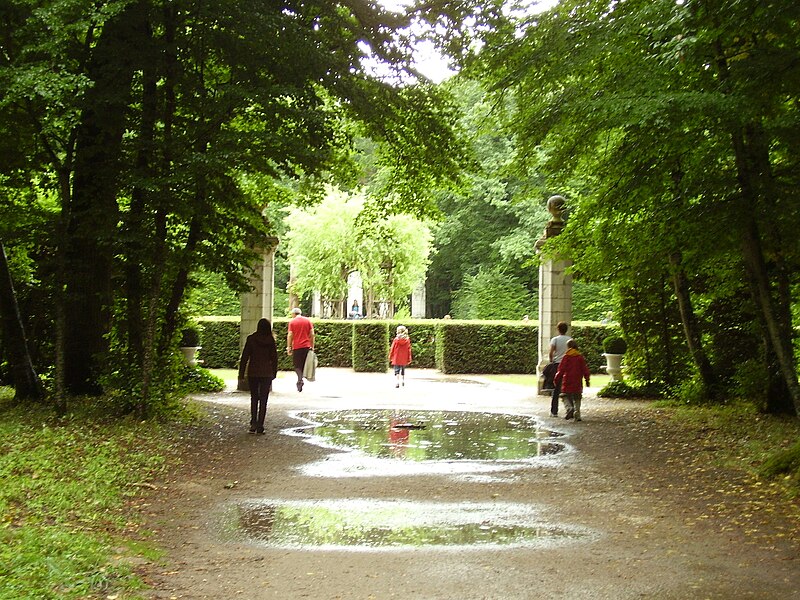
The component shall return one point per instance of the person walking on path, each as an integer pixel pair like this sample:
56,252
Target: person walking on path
299,341
572,369
558,347
400,355
259,361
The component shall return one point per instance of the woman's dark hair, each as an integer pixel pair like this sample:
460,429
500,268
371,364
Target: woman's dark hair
264,326
572,344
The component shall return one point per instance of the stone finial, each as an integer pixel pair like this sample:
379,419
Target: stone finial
555,206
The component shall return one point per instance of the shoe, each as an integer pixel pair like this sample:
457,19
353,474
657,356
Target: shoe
403,384
252,431
570,414
299,386
260,432
552,414
578,419
397,385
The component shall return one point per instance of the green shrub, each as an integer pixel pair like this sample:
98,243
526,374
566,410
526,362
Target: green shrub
220,344
615,344
451,346
190,336
785,463
198,379
370,346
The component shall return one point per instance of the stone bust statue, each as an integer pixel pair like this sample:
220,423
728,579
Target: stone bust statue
555,206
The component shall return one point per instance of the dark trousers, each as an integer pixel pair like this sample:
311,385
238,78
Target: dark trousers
259,395
299,361
554,398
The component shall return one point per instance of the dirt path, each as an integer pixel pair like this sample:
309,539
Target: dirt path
663,522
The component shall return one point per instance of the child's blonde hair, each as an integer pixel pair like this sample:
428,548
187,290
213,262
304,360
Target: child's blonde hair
401,329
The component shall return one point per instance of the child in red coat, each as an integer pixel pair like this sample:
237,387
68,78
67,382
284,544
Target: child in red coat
400,355
570,372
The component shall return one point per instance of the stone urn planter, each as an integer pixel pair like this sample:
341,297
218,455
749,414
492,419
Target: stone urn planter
614,347
190,344
190,355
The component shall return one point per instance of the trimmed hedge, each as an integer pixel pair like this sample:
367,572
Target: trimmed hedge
473,347
450,346
370,346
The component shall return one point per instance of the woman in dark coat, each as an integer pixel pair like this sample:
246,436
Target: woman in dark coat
260,361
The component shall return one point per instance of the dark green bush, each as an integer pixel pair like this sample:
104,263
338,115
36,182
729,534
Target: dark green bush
220,344
474,347
199,379
615,344
370,346
450,346
190,336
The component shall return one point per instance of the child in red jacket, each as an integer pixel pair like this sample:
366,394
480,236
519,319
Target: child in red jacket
400,355
570,372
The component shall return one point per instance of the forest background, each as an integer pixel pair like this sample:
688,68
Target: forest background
149,146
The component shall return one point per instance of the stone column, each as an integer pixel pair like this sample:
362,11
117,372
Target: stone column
418,300
555,289
258,303
316,304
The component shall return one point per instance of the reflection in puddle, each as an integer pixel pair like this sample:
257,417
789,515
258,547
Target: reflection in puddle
379,524
431,435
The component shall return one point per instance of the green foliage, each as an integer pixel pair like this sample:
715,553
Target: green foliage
198,380
333,343
486,347
66,485
190,336
651,138
423,342
211,296
615,344
221,344
341,235
370,346
785,463
493,294
620,389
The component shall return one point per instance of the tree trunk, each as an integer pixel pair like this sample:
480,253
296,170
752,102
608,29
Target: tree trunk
27,385
92,215
754,177
691,328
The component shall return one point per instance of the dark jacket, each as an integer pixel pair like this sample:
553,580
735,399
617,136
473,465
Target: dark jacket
261,353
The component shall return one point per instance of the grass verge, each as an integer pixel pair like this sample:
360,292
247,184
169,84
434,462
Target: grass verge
69,486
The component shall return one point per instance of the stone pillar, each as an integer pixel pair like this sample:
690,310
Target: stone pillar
418,300
258,303
555,289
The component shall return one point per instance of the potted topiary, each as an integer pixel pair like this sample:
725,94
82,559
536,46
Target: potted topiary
190,344
614,346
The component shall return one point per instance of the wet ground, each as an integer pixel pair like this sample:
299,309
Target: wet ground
456,488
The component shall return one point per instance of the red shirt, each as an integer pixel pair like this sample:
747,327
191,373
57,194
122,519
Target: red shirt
301,329
400,353
571,369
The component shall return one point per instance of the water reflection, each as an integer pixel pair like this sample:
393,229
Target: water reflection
432,435
393,524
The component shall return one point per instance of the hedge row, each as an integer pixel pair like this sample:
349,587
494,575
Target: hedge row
450,346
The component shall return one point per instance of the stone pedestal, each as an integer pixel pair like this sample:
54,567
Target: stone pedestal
555,288
259,302
555,304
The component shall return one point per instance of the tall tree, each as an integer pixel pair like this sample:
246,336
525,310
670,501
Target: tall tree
676,124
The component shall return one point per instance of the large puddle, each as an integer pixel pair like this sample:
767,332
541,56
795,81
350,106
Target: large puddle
376,525
422,435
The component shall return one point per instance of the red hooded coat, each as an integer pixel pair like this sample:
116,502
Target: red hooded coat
570,371
400,353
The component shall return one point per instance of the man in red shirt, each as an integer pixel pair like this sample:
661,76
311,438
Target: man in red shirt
299,341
